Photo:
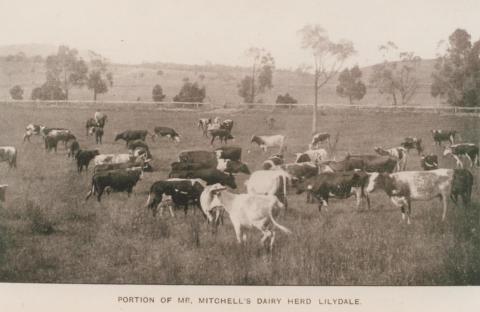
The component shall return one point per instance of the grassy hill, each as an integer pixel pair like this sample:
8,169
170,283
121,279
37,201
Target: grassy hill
132,82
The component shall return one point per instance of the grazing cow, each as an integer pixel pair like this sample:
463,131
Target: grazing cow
206,158
91,123
73,148
181,192
443,135
429,162
273,162
247,211
210,175
84,157
315,156
469,150
266,141
203,124
139,144
227,124
30,130
100,119
3,190
166,131
222,134
60,135
337,184
229,152
406,186
9,154
131,135
462,185
98,131
400,153
319,138
269,182
270,122
412,143
120,180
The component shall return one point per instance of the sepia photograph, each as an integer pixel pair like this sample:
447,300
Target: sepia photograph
240,143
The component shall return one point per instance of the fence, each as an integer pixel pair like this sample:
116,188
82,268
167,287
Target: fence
113,105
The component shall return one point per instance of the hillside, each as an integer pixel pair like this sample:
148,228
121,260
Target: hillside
132,82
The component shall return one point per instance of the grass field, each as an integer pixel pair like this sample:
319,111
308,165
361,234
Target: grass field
48,233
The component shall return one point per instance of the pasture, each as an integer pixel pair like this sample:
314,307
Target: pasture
49,233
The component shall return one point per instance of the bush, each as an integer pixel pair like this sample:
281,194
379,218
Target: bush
285,101
157,93
48,92
16,92
190,92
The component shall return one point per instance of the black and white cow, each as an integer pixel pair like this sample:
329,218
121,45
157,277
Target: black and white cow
9,155
399,152
318,138
136,144
469,150
443,135
203,124
412,143
32,129
229,152
131,135
166,132
120,180
273,162
429,162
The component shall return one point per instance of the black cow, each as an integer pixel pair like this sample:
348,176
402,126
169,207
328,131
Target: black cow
211,176
227,124
443,135
468,150
206,158
135,144
166,131
338,184
84,157
412,143
131,135
73,148
182,192
229,152
462,185
120,180
223,135
429,162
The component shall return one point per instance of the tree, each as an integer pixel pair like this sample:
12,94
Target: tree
285,100
396,78
262,75
49,91
16,92
99,78
67,68
457,72
157,93
350,84
190,92
328,58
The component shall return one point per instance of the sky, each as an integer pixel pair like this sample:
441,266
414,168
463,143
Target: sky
219,31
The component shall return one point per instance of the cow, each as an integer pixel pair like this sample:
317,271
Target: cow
44,131
247,211
412,143
89,124
32,129
462,184
273,162
100,119
3,190
318,138
370,163
229,152
137,144
73,148
399,152
316,156
222,134
443,135
84,157
131,135
120,180
206,158
337,184
469,150
407,186
266,141
166,131
429,162
51,143
210,175
227,124
300,172
269,122
203,124
232,166
269,182
98,131
114,159
181,192
9,155
57,135
105,162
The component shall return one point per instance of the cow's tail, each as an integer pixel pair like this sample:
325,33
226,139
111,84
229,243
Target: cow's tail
14,159
275,223
93,190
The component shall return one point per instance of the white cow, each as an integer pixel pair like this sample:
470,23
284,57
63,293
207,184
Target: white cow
9,154
245,211
399,152
266,141
269,182
405,186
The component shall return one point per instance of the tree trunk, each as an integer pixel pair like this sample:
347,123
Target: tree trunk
350,99
394,98
94,95
66,85
253,84
315,104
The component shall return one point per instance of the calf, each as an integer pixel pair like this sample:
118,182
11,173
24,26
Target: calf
84,157
247,211
412,143
203,124
120,180
222,134
9,155
229,152
266,141
269,182
407,186
429,162
400,153
315,156
131,135
73,148
318,138
166,131
469,150
443,135
337,184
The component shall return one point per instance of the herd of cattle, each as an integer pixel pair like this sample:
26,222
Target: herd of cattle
200,177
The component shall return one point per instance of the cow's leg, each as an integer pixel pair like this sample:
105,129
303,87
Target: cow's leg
238,232
459,162
444,202
213,138
358,196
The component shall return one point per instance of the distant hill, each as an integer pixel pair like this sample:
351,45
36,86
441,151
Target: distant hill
132,82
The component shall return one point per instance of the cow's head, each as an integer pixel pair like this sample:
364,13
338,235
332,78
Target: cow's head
119,136
302,157
256,139
447,151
